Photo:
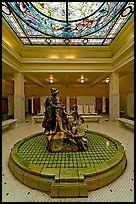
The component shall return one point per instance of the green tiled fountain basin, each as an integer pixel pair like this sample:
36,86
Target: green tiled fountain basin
67,174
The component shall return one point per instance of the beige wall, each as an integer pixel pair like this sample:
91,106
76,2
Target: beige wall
10,105
72,91
127,83
8,92
7,88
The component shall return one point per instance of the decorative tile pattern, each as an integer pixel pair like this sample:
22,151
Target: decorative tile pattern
99,149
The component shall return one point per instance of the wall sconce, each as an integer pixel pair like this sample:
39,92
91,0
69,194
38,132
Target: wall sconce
82,80
107,80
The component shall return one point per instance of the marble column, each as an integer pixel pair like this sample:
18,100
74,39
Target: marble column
114,98
103,104
10,105
32,103
26,105
19,97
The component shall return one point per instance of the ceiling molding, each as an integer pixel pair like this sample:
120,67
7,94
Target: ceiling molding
10,62
80,67
66,70
34,79
47,60
123,50
10,37
10,50
99,79
65,61
123,62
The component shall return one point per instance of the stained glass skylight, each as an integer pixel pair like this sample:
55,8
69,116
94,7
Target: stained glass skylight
67,23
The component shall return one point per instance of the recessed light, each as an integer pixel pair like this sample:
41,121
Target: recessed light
69,57
53,57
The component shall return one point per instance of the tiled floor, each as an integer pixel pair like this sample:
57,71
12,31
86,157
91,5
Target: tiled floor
121,190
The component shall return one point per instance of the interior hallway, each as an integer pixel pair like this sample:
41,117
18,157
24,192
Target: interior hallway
121,190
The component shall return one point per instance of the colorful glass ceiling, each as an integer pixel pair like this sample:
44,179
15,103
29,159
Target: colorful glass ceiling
67,23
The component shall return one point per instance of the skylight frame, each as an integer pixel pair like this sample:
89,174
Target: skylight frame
27,38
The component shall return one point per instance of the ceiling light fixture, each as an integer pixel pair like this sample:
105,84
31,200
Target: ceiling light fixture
82,80
51,79
107,80
53,57
69,57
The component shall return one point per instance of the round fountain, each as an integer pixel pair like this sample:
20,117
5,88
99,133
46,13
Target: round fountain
66,159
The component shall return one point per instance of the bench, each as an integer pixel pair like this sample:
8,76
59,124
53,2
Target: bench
40,114
37,118
88,118
10,122
127,122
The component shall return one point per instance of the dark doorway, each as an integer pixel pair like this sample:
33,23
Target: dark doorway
4,108
36,105
99,105
73,101
63,101
29,106
4,105
107,105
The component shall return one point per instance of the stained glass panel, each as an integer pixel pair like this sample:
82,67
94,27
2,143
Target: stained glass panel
55,10
25,41
67,23
81,10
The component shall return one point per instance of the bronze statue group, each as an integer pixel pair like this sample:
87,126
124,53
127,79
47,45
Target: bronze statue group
61,134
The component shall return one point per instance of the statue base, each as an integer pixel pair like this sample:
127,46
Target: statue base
62,142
